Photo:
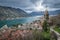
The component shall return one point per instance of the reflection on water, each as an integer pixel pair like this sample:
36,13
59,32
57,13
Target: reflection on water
19,21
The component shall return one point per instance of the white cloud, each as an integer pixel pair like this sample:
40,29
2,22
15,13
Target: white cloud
32,5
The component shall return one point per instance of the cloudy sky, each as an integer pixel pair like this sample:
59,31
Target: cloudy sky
32,5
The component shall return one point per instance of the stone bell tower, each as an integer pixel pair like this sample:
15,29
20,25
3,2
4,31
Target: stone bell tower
46,15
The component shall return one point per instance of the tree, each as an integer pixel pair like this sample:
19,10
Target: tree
45,25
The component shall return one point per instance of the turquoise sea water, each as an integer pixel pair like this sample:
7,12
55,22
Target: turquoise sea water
18,21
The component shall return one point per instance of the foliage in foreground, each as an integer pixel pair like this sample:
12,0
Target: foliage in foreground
57,29
41,35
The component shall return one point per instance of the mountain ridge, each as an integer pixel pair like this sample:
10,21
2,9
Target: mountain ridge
9,12
42,13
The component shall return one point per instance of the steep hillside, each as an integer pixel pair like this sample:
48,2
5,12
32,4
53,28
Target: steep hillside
9,12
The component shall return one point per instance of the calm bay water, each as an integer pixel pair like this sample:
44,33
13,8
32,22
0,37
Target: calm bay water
18,21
